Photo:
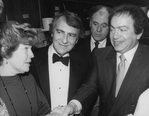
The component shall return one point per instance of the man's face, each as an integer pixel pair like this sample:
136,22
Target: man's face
99,25
64,37
122,34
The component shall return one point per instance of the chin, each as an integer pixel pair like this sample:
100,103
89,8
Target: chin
25,70
62,53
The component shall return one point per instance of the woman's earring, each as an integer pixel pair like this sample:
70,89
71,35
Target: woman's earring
6,62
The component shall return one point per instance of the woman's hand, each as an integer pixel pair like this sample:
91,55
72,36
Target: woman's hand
3,109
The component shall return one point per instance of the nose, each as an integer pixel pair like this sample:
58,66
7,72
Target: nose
116,34
65,39
31,54
99,28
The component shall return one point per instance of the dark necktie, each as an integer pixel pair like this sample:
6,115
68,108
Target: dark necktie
57,58
96,46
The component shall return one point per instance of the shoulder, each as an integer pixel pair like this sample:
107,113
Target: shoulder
143,50
144,47
75,56
78,59
104,51
40,53
86,38
28,78
83,41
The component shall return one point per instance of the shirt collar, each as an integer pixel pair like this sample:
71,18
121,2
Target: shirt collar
129,55
101,42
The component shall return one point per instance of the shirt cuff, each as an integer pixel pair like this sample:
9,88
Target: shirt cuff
79,106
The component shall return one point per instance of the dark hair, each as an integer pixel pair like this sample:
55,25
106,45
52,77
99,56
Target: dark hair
135,12
96,8
12,34
72,20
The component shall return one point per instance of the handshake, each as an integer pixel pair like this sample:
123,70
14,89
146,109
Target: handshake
68,110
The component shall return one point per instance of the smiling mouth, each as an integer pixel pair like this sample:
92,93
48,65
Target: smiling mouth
118,42
97,34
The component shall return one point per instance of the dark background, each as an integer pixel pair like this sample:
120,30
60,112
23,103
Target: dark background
32,11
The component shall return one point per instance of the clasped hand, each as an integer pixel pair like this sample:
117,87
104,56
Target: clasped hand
62,111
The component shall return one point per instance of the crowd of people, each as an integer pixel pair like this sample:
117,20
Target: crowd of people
103,74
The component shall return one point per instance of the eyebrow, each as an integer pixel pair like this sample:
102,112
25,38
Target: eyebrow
59,30
100,23
105,23
68,33
119,26
73,34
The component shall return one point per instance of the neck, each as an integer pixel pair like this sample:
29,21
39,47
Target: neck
6,71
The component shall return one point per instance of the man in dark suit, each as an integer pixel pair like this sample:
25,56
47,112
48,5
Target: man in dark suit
59,71
119,90
99,29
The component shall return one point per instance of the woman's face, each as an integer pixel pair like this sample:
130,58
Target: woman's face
21,58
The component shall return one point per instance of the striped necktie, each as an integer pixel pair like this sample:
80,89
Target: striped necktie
120,73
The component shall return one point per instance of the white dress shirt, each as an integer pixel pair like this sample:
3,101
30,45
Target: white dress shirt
59,80
101,44
128,56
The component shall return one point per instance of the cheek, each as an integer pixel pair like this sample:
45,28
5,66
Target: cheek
94,28
21,61
71,46
73,43
111,35
105,31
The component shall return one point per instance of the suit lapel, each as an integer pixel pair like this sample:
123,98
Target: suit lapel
87,46
131,80
43,73
110,65
74,80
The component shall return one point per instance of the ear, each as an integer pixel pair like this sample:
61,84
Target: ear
76,41
139,35
3,52
51,34
90,23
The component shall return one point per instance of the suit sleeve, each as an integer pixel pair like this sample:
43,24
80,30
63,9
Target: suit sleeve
88,93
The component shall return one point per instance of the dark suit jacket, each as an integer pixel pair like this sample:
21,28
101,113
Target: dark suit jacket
83,46
102,81
39,69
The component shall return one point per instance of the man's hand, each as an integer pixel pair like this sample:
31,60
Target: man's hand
57,111
71,109
68,111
